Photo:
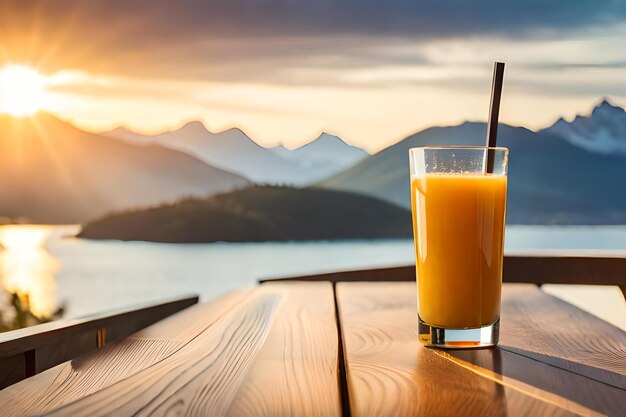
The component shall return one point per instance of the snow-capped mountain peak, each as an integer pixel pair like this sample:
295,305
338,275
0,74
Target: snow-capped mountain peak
603,131
327,154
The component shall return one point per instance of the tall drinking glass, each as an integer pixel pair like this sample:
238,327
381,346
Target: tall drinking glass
458,225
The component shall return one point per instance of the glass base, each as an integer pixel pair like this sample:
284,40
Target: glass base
479,337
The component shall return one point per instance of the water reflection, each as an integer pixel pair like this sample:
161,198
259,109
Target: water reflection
27,276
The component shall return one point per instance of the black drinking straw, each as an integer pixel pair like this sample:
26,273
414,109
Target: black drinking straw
494,110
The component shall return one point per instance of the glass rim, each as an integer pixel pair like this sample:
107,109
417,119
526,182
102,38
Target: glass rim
444,147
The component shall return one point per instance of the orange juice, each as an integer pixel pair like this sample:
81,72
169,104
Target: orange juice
458,223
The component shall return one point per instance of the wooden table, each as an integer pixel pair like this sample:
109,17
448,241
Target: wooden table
314,349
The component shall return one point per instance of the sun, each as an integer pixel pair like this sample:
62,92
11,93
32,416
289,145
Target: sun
21,90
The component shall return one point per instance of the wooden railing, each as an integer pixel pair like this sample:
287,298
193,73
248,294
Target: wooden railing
531,268
26,352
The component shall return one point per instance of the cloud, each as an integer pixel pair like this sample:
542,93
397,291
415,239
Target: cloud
252,39
115,88
187,19
578,65
172,51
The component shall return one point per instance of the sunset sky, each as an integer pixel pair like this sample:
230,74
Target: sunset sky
370,71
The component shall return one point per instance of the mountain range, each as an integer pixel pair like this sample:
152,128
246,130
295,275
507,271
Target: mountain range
53,172
234,151
553,178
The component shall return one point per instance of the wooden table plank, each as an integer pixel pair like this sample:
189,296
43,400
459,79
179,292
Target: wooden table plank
540,326
538,377
391,373
272,352
295,372
89,373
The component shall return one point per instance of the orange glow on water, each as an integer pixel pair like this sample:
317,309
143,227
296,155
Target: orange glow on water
26,268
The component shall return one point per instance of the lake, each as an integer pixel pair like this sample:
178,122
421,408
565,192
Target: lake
95,276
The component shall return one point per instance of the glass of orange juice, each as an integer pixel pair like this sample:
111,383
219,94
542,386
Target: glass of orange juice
458,199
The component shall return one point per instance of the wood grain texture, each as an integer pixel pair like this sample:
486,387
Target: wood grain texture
89,373
537,377
271,352
542,327
296,370
49,344
391,373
